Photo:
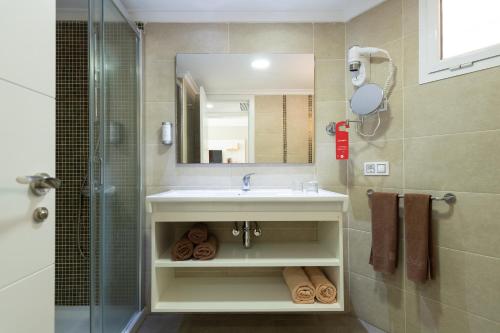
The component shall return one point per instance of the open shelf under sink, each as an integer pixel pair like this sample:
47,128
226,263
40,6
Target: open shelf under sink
297,230
232,294
261,255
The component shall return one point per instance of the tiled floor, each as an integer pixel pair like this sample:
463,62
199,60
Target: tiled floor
256,323
72,319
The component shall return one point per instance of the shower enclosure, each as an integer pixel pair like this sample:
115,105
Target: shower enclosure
99,208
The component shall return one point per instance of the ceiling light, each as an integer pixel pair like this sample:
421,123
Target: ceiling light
261,64
210,106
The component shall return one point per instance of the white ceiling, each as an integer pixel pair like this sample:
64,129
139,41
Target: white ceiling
233,73
236,10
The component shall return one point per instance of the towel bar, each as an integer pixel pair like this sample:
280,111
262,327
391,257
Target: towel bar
449,198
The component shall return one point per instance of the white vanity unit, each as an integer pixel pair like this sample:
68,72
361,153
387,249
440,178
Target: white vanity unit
298,229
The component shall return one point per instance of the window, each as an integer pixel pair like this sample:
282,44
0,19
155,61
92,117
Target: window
458,37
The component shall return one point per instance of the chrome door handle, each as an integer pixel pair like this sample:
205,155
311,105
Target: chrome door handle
41,183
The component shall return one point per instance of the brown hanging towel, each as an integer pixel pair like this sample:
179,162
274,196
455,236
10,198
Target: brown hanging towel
419,254
384,252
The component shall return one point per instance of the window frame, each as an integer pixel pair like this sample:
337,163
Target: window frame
432,67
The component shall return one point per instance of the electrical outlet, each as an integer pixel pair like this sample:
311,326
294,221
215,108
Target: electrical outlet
376,168
370,168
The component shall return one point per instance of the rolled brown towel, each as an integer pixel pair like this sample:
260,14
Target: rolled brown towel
300,286
325,291
182,249
206,250
198,233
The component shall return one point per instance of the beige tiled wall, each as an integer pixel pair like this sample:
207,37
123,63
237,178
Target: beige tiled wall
269,129
163,41
297,120
439,137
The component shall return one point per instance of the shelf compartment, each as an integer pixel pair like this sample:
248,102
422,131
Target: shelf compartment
232,294
302,244
246,280
261,255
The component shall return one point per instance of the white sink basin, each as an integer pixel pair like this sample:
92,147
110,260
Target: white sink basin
252,195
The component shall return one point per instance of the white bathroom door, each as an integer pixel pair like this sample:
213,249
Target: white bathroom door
27,147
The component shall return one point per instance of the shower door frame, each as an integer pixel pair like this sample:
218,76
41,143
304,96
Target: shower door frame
96,108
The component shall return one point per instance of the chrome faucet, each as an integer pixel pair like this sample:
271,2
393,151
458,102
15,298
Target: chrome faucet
246,182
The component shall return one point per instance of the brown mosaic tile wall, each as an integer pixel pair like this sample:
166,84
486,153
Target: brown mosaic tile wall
72,149
72,269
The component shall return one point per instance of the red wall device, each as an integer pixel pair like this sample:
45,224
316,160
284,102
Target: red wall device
341,141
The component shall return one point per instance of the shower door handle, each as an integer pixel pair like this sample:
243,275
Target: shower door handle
98,178
100,169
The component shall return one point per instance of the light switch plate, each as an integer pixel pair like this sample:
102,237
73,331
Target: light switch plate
376,168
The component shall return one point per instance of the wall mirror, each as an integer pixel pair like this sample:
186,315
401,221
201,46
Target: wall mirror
245,108
367,99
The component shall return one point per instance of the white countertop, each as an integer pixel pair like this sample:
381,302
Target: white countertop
254,195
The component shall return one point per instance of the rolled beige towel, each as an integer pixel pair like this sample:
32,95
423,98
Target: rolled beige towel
324,289
301,288
182,249
206,250
198,233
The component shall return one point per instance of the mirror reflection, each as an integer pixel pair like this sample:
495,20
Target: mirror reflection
245,108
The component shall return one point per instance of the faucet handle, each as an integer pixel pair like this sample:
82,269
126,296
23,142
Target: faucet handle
246,181
248,175
236,229
257,231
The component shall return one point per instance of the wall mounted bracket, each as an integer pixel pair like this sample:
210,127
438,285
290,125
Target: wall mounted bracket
330,128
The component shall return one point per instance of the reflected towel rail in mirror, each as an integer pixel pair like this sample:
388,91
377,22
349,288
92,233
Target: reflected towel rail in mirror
449,198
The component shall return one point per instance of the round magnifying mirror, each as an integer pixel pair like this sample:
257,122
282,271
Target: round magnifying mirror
367,99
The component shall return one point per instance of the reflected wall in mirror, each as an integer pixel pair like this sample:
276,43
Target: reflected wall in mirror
245,108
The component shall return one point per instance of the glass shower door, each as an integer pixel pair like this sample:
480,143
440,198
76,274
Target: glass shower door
116,168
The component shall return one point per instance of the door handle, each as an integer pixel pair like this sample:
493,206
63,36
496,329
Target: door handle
41,183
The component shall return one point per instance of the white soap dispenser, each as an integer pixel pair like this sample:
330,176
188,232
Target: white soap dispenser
166,133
